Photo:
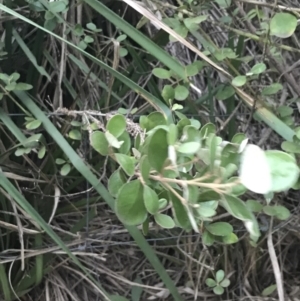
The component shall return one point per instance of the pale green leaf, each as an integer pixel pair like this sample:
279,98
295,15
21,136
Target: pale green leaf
283,25
32,125
116,125
284,170
239,81
161,73
269,290
75,135
126,162
164,221
220,275
218,290
130,206
99,143
181,92
66,168
151,200
219,228
210,282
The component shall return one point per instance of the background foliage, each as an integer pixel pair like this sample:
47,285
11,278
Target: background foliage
149,149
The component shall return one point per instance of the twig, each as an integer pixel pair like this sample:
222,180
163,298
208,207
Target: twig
275,265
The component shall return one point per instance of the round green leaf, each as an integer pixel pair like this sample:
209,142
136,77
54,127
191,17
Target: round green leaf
272,89
192,23
284,111
282,212
168,93
191,134
195,123
207,238
125,141
123,52
258,68
161,73
224,3
219,229
14,77
112,140
121,38
290,147
181,92
150,200
91,26
162,204
76,123
165,221
218,290
42,152
158,149
220,275
189,147
225,93
88,39
283,25
237,208
32,125
269,290
225,282
181,30
115,182
126,162
284,170
207,129
66,168
99,143
239,138
23,87
176,107
116,125
152,121
210,282
239,81
191,70
269,210
237,189
60,161
75,135
254,206
57,6
230,239
82,45
206,211
130,206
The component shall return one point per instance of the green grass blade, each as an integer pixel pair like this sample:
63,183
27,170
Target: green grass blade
30,56
275,123
4,283
39,262
12,126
